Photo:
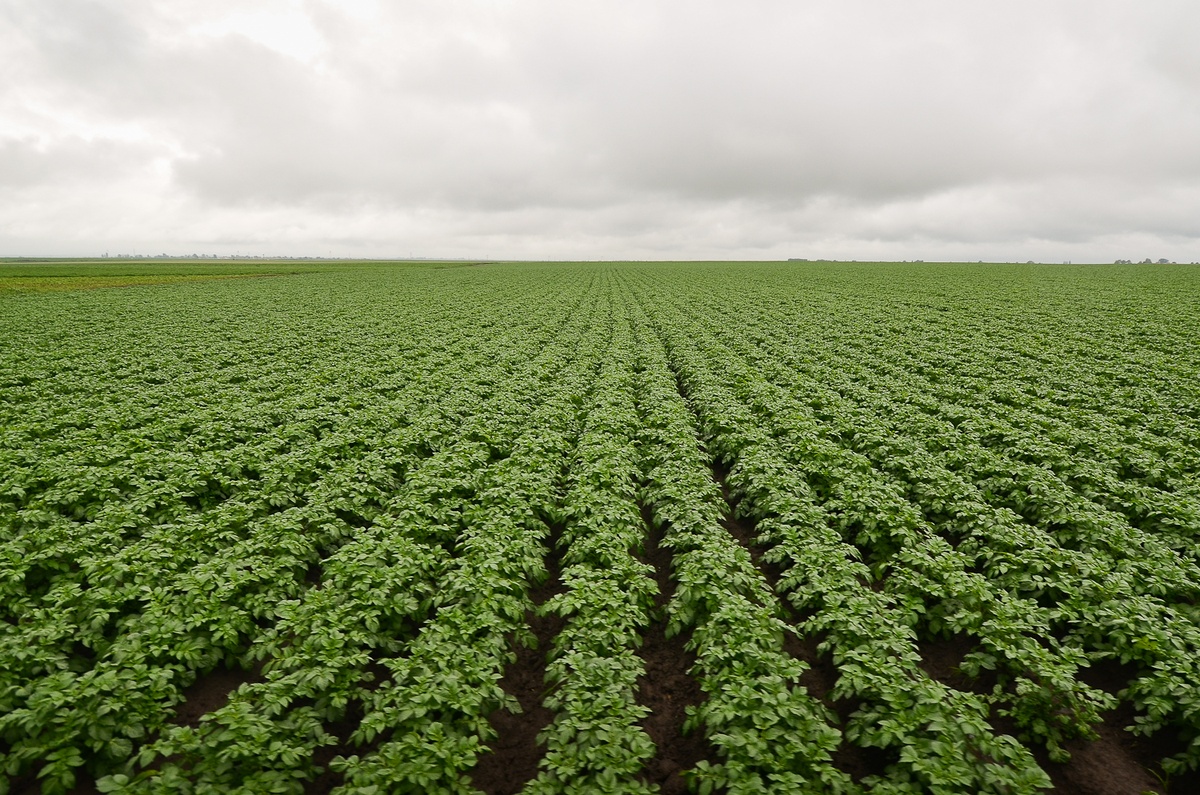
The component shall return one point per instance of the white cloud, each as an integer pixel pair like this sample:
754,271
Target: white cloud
615,129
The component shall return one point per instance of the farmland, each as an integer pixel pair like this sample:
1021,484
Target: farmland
604,527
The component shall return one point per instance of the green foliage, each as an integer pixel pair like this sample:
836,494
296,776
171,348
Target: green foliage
334,487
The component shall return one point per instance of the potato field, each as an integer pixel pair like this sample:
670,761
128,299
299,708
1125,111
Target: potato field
376,528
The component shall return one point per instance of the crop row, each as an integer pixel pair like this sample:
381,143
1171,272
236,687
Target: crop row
336,490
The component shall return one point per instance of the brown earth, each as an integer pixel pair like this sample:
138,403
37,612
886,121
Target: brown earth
210,692
668,688
1117,763
822,674
328,780
514,756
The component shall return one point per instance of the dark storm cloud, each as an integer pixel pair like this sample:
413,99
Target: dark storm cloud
610,129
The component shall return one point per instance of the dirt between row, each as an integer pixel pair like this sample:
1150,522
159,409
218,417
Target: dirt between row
667,688
515,754
1117,763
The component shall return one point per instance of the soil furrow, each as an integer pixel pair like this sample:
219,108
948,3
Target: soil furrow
668,688
328,779
821,676
211,691
1118,761
514,756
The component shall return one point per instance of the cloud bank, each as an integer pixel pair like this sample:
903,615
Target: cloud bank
618,129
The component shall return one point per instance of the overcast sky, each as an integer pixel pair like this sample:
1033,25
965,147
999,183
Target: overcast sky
617,129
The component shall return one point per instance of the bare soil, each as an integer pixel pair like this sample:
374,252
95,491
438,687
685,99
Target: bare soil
1117,763
515,754
668,688
822,674
210,692
328,780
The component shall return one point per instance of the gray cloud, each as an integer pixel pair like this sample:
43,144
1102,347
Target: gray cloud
68,162
592,129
